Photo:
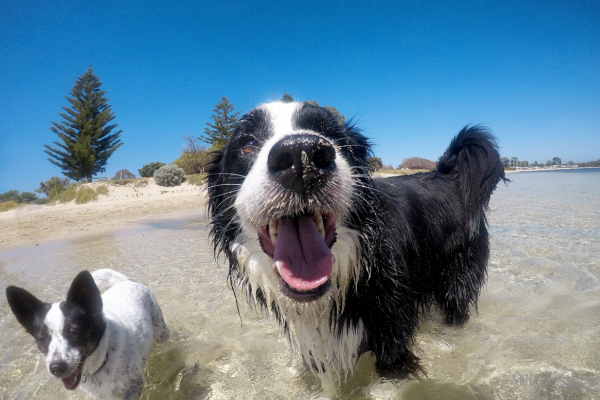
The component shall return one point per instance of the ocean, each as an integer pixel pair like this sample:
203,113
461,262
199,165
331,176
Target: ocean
535,335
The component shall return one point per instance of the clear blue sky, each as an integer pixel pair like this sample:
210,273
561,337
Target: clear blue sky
413,72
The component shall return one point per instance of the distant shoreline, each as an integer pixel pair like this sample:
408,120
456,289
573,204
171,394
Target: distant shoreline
549,169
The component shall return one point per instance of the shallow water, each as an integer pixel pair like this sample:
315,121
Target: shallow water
536,336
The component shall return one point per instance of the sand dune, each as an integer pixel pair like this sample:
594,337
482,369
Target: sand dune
124,206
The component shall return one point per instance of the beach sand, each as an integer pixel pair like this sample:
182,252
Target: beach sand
123,207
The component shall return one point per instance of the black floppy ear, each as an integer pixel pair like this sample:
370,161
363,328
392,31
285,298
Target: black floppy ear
27,308
85,294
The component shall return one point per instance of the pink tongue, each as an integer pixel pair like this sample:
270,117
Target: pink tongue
301,254
69,381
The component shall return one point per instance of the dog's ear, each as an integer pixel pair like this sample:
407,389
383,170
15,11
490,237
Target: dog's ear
27,308
84,293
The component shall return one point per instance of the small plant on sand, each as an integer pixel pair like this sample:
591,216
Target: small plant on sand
169,175
195,179
148,170
8,205
102,189
123,174
85,194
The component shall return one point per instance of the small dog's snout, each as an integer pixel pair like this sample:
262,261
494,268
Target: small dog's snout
58,368
302,162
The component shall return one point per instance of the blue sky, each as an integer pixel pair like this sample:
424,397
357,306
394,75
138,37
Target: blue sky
413,73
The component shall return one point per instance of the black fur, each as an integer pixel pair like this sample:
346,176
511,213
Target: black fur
424,236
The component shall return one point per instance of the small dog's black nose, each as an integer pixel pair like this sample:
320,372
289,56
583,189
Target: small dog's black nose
302,162
58,368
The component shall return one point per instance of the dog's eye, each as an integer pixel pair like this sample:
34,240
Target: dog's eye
42,339
249,147
73,333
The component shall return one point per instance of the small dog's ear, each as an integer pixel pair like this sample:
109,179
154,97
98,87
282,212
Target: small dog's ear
26,307
85,293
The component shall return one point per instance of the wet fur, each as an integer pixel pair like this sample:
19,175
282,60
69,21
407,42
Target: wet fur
403,244
116,331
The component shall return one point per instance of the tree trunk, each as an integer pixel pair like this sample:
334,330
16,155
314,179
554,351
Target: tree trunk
89,178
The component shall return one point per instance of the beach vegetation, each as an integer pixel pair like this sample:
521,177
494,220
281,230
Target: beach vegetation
147,171
169,175
194,156
224,119
287,98
123,174
374,164
80,193
28,197
85,194
53,186
11,195
8,205
418,163
195,179
15,196
86,138
102,189
42,200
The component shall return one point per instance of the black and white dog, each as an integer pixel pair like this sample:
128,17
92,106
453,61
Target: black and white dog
100,341
345,262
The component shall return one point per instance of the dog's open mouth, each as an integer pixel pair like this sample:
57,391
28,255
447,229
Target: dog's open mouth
71,381
301,251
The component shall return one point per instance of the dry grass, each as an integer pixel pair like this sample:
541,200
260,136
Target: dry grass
137,182
80,193
195,179
8,205
85,194
102,189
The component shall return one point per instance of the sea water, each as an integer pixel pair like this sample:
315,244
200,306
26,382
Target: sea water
535,335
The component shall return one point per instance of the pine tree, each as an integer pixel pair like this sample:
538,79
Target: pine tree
223,127
87,139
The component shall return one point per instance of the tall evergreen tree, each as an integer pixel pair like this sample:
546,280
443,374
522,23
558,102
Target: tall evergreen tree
216,135
87,139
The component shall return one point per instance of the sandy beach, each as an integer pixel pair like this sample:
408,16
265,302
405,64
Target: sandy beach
123,206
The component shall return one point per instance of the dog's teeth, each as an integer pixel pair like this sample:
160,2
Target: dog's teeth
319,221
273,230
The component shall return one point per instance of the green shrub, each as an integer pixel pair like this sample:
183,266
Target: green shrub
11,195
42,200
102,189
53,186
85,194
195,179
123,174
169,175
29,197
148,170
8,205
66,196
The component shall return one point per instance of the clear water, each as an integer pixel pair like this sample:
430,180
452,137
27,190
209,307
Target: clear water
536,336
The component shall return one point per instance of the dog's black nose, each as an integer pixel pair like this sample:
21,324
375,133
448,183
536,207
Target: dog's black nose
302,162
58,368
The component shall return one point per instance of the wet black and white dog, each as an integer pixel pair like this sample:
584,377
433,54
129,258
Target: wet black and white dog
100,341
344,261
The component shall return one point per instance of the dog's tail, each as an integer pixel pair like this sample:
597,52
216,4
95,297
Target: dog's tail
472,160
106,278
